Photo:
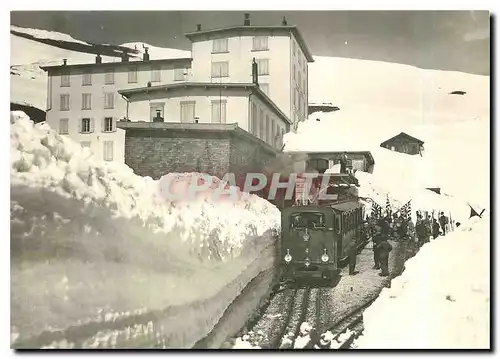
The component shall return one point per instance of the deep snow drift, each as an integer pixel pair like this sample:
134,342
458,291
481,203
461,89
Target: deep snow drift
442,299
90,239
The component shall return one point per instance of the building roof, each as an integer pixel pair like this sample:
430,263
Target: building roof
118,63
204,85
253,28
402,134
312,155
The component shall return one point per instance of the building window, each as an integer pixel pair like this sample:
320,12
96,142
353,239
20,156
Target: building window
267,134
253,123
273,138
261,125
263,66
87,79
219,45
155,109
179,74
260,43
65,80
132,75
85,144
220,69
187,111
86,101
156,74
64,126
109,100
86,125
108,124
265,88
277,138
109,77
64,102
108,151
219,111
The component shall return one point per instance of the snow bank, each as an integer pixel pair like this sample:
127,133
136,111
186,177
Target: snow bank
442,299
44,34
90,238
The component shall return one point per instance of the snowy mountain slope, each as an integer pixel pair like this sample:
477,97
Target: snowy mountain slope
379,100
90,239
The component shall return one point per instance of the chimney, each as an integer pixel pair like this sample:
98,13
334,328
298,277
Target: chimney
145,57
284,22
255,72
247,19
198,27
98,59
65,62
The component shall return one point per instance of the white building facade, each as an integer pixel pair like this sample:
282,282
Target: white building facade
83,100
225,56
197,102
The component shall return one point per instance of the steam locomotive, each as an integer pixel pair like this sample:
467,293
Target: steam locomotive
316,234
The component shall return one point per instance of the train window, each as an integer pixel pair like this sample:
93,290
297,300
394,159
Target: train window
308,220
337,223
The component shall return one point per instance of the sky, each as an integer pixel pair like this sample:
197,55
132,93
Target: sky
441,40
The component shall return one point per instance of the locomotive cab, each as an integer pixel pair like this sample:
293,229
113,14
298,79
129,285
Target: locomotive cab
308,243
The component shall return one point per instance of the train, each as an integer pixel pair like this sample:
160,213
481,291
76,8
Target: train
316,234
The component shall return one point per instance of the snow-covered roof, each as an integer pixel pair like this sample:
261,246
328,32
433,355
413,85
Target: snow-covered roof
405,135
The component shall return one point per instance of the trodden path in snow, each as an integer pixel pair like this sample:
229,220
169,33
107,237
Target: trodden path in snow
324,308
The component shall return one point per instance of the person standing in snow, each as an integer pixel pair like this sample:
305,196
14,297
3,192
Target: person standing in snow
421,230
352,250
376,239
428,229
435,228
384,248
443,221
343,163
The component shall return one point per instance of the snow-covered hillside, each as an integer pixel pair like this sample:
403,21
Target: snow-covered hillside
91,240
379,100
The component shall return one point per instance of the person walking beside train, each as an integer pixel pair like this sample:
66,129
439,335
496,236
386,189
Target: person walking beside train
384,248
352,251
376,239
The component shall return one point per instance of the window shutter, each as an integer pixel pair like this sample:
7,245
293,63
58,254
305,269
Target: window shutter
113,124
92,125
103,124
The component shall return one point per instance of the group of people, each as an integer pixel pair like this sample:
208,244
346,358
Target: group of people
399,228
427,227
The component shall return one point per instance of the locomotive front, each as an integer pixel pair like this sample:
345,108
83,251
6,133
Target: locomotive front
308,245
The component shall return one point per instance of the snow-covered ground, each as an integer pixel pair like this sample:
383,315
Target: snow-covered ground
442,299
90,239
